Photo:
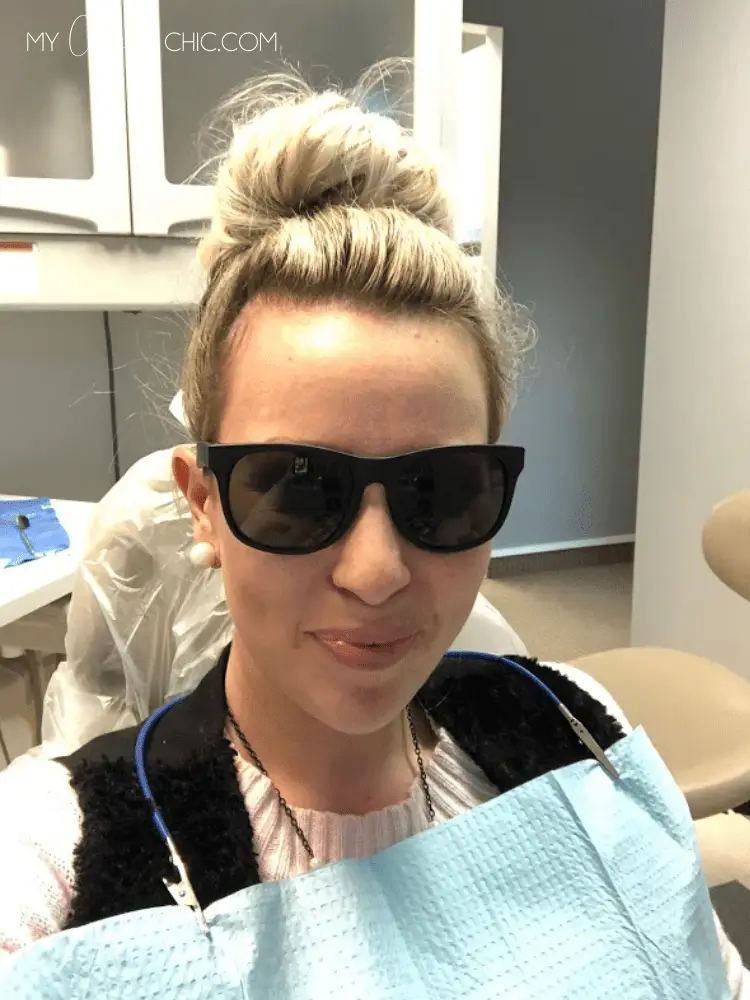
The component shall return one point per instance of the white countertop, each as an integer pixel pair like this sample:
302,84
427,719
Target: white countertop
36,583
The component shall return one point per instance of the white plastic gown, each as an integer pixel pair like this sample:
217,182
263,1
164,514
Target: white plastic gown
145,625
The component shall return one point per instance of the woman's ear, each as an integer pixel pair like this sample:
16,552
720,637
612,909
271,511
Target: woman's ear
198,489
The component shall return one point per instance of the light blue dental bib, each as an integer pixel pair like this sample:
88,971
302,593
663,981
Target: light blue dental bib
570,886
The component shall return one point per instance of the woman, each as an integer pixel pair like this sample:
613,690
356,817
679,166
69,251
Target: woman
341,326
126,655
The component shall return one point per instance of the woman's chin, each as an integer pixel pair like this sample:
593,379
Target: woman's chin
362,713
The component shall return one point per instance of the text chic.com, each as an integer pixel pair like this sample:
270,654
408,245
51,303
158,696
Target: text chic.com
174,41
230,41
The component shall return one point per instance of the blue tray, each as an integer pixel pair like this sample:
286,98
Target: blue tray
45,534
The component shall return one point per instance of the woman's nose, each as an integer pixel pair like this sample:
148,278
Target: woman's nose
371,563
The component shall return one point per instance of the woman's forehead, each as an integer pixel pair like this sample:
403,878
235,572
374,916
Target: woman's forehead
383,418
322,373
284,331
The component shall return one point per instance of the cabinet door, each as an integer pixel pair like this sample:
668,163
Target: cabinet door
479,147
183,56
63,140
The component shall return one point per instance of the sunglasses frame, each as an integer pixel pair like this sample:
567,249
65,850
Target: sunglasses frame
220,460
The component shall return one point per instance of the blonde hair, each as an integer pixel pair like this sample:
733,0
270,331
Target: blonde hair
316,200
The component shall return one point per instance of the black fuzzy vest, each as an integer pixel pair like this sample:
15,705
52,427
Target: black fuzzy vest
500,718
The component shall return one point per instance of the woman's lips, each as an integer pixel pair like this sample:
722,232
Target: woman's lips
367,656
367,635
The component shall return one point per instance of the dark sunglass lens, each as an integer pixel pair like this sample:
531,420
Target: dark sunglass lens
287,499
450,499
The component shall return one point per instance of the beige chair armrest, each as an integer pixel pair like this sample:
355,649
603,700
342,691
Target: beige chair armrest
696,713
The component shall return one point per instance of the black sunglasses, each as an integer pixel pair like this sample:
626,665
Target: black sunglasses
294,499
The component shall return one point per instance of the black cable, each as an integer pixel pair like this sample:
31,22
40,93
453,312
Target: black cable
112,404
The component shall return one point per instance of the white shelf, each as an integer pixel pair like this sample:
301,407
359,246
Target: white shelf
105,272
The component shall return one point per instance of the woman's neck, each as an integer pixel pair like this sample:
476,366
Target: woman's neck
312,765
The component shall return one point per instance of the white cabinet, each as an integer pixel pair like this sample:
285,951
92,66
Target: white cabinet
480,87
183,58
102,104
63,139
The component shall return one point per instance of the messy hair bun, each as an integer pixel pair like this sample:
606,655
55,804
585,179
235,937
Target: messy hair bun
310,151
318,198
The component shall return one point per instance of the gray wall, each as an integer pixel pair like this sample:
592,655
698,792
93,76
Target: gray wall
54,404
579,128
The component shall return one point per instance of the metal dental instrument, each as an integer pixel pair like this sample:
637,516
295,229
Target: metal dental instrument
22,523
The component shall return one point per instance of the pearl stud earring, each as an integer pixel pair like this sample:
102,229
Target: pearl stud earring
202,555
